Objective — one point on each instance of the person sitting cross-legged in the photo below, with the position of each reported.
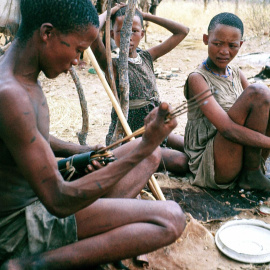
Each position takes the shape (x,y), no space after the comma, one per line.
(49,223)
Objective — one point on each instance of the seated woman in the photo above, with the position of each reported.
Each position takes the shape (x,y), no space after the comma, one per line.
(224,140)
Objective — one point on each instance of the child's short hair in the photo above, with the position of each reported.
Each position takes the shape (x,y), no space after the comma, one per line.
(122,11)
(226,18)
(65,15)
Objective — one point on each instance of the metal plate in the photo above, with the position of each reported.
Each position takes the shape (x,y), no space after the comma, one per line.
(264,209)
(245,240)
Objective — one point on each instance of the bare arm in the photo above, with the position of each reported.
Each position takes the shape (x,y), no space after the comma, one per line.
(222,121)
(67,149)
(102,17)
(36,161)
(244,80)
(178,30)
(97,46)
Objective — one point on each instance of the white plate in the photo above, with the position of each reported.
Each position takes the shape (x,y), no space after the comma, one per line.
(264,209)
(245,240)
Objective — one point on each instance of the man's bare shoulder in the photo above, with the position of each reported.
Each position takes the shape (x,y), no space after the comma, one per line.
(14,100)
(12,90)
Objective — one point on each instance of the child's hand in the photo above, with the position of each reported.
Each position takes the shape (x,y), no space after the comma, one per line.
(117,7)
(142,13)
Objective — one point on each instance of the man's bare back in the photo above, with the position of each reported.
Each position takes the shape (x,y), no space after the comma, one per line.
(11,178)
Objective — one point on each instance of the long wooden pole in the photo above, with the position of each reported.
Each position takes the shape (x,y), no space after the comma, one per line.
(153,182)
(82,135)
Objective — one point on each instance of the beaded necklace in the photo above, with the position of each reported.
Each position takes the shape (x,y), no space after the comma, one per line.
(210,70)
(137,60)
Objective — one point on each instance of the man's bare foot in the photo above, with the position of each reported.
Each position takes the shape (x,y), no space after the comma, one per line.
(254,180)
(156,128)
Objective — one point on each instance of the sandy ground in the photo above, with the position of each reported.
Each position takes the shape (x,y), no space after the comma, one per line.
(66,122)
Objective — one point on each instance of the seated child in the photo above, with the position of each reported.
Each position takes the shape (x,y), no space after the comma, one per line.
(144,96)
(224,140)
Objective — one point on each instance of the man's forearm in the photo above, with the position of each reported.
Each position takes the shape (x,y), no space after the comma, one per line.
(86,190)
(67,149)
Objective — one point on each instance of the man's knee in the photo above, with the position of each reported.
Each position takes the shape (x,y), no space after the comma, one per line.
(259,93)
(176,220)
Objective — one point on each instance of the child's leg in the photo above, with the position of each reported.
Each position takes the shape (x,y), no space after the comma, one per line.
(176,142)
(113,229)
(173,161)
(266,152)
(252,111)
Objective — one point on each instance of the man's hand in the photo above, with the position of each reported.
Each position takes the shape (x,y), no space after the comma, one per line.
(96,147)
(156,130)
(94,166)
(99,161)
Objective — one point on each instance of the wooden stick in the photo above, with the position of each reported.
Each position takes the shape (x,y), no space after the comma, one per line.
(120,115)
(108,90)
(136,133)
(122,71)
(108,50)
(174,113)
(82,135)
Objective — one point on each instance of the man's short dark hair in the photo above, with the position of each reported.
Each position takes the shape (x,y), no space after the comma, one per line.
(226,18)
(122,11)
(65,15)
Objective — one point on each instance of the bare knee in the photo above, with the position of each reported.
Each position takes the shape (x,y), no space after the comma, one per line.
(174,161)
(180,164)
(175,221)
(259,93)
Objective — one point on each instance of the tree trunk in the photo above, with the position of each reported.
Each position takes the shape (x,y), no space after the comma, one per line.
(82,135)
(236,6)
(108,51)
(123,66)
(205,5)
